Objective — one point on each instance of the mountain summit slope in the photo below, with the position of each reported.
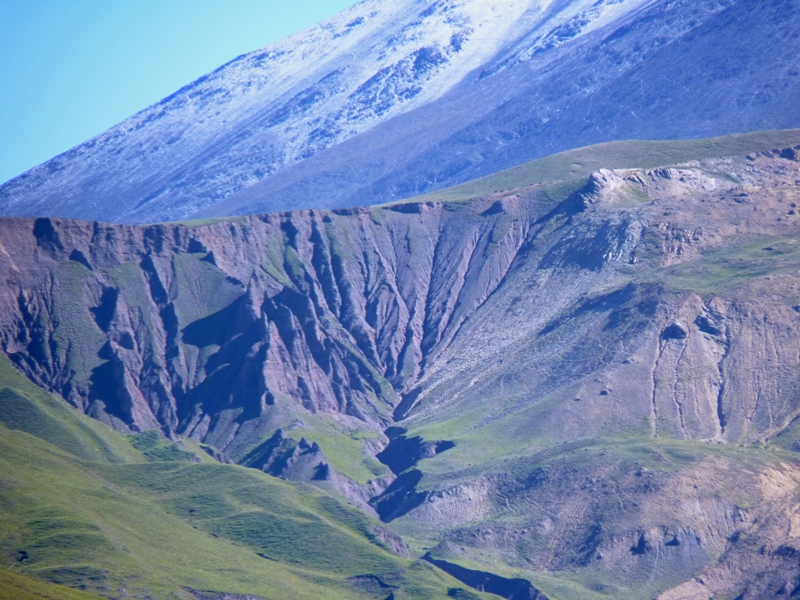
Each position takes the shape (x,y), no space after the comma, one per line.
(424,94)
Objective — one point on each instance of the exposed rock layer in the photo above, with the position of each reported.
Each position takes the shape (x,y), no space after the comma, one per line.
(215,331)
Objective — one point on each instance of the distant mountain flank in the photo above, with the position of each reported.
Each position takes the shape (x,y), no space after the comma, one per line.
(387,101)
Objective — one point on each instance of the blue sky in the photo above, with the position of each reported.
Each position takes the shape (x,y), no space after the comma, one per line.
(70,69)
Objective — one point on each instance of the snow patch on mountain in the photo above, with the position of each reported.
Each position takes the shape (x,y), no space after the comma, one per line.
(557,27)
(283,104)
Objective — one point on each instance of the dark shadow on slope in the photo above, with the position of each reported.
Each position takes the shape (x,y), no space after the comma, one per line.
(79,257)
(104,312)
(621,305)
(511,589)
(400,498)
(214,329)
(235,377)
(402,453)
(107,386)
(46,236)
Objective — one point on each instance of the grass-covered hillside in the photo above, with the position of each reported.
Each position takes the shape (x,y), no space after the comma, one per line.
(569,170)
(86,507)
(22,587)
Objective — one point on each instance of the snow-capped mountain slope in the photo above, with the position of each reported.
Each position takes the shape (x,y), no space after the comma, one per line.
(271,108)
(390,99)
(669,70)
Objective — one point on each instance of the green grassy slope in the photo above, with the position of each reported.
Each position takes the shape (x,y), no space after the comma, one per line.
(81,506)
(571,168)
(21,587)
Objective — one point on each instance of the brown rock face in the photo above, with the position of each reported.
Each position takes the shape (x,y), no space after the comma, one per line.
(219,331)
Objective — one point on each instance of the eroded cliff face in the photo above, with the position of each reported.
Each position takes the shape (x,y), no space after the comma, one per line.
(665,301)
(659,306)
(221,330)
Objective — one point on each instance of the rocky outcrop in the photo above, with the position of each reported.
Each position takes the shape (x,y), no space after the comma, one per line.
(219,332)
